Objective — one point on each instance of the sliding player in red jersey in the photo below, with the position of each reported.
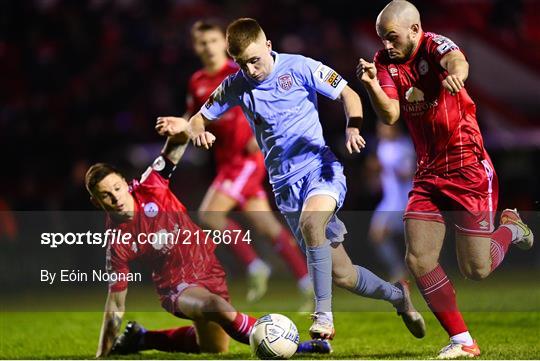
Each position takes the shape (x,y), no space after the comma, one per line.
(420,76)
(240,171)
(187,276)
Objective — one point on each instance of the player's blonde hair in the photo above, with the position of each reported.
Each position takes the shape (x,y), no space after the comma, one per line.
(241,33)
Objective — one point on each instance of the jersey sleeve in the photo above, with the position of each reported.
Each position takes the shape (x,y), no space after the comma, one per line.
(439,46)
(221,100)
(323,79)
(385,79)
(118,256)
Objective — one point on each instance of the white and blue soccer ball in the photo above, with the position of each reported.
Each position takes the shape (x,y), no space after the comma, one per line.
(274,336)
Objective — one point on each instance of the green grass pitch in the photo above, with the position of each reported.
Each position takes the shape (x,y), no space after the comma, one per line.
(503,314)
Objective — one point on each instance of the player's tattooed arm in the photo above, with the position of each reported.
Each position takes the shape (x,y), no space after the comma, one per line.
(352,105)
(387,109)
(112,321)
(458,70)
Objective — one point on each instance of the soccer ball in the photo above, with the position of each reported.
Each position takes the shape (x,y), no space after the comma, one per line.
(274,336)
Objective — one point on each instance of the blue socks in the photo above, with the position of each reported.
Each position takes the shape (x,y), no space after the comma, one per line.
(319,262)
(371,286)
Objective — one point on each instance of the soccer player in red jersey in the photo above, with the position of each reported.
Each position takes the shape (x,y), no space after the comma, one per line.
(240,171)
(420,76)
(188,277)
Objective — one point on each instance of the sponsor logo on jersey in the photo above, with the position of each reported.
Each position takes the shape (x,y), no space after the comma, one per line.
(423,67)
(414,95)
(334,79)
(285,81)
(416,101)
(151,209)
(445,44)
(322,73)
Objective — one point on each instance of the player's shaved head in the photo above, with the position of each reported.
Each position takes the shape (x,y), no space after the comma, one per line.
(398,26)
(399,12)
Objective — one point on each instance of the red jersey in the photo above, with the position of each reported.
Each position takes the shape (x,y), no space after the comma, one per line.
(443,126)
(158,210)
(232,130)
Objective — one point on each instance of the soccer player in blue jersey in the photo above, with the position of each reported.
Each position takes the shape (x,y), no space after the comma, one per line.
(278,95)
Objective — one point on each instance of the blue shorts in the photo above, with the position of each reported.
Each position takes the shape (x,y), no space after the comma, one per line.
(327,179)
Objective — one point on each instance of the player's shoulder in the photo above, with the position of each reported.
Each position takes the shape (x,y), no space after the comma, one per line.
(438,41)
(293,61)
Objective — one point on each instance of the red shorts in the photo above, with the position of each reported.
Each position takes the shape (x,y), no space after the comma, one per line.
(243,179)
(469,194)
(215,282)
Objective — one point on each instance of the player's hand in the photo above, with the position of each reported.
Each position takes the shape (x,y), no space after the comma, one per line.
(366,71)
(171,126)
(453,83)
(354,141)
(205,140)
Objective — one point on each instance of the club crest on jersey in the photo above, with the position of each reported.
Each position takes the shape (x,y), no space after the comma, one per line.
(423,67)
(151,209)
(285,81)
(392,70)
(414,95)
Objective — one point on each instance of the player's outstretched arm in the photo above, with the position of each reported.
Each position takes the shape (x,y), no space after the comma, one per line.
(387,109)
(112,320)
(352,105)
(199,136)
(458,70)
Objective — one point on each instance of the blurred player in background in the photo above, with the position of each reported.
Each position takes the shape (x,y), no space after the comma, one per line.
(395,155)
(240,171)
(421,76)
(188,277)
(278,95)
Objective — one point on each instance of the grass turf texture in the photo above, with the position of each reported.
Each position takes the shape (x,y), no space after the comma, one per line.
(503,314)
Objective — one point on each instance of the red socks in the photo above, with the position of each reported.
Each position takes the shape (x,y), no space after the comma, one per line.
(181,339)
(240,328)
(500,242)
(440,296)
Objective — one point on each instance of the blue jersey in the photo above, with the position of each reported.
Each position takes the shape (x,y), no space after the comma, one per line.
(282,112)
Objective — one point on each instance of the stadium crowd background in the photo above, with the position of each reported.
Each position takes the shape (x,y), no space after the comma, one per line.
(83,81)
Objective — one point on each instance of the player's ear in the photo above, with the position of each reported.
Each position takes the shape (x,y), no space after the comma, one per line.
(415,30)
(269,45)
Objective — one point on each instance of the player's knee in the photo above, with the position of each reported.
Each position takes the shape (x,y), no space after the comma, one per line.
(420,264)
(475,272)
(311,228)
(213,306)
